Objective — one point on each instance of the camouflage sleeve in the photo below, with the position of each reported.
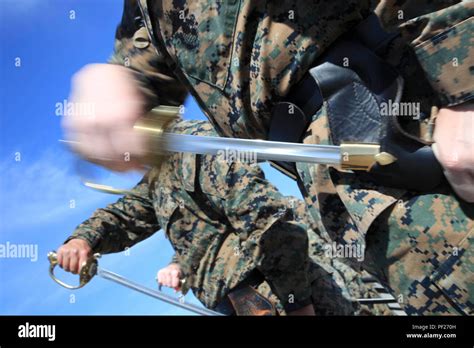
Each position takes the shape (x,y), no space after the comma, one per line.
(134,49)
(250,203)
(122,224)
(175,259)
(253,203)
(443,40)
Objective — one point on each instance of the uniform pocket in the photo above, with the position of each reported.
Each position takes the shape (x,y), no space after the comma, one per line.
(455,276)
(447,59)
(203,36)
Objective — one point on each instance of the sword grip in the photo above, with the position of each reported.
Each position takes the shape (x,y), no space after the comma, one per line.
(88,271)
(415,169)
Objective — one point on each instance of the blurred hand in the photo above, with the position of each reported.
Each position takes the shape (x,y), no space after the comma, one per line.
(73,255)
(454,148)
(170,276)
(106,104)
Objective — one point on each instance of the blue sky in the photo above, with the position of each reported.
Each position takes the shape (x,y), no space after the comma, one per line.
(38,177)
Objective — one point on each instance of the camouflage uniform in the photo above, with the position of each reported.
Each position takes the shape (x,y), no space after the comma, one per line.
(239,57)
(419,244)
(335,286)
(224,221)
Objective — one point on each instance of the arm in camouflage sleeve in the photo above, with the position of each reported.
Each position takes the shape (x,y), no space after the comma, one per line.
(134,50)
(251,204)
(122,224)
(174,259)
(443,40)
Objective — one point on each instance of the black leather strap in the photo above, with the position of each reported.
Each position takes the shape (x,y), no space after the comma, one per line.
(306,98)
(354,82)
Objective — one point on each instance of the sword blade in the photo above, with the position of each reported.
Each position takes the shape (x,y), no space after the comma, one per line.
(154,293)
(261,150)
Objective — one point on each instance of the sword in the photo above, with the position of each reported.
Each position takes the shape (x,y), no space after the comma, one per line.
(91,268)
(352,156)
(160,143)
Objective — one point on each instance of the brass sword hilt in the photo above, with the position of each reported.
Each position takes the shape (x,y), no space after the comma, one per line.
(87,272)
(153,123)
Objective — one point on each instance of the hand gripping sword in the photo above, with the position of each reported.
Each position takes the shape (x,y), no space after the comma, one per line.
(91,268)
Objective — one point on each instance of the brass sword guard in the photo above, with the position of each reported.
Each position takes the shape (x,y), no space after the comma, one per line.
(153,124)
(88,270)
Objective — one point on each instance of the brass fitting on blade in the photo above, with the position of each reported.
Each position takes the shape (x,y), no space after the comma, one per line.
(356,156)
(153,125)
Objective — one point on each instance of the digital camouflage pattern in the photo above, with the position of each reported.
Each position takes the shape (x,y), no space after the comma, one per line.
(331,295)
(224,220)
(239,57)
(442,36)
(418,245)
(423,247)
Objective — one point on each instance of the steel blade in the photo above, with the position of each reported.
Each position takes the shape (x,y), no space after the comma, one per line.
(155,294)
(262,150)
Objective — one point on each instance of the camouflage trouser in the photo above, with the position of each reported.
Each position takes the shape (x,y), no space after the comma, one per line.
(329,298)
(422,248)
(417,244)
(335,286)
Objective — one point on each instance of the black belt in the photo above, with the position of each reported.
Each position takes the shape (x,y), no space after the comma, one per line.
(355,82)
(306,98)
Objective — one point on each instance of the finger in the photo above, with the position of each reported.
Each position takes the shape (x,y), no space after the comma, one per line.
(159,277)
(83,257)
(94,144)
(66,260)
(167,280)
(126,141)
(59,256)
(174,279)
(450,160)
(458,178)
(97,148)
(462,181)
(462,184)
(74,261)
(174,282)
